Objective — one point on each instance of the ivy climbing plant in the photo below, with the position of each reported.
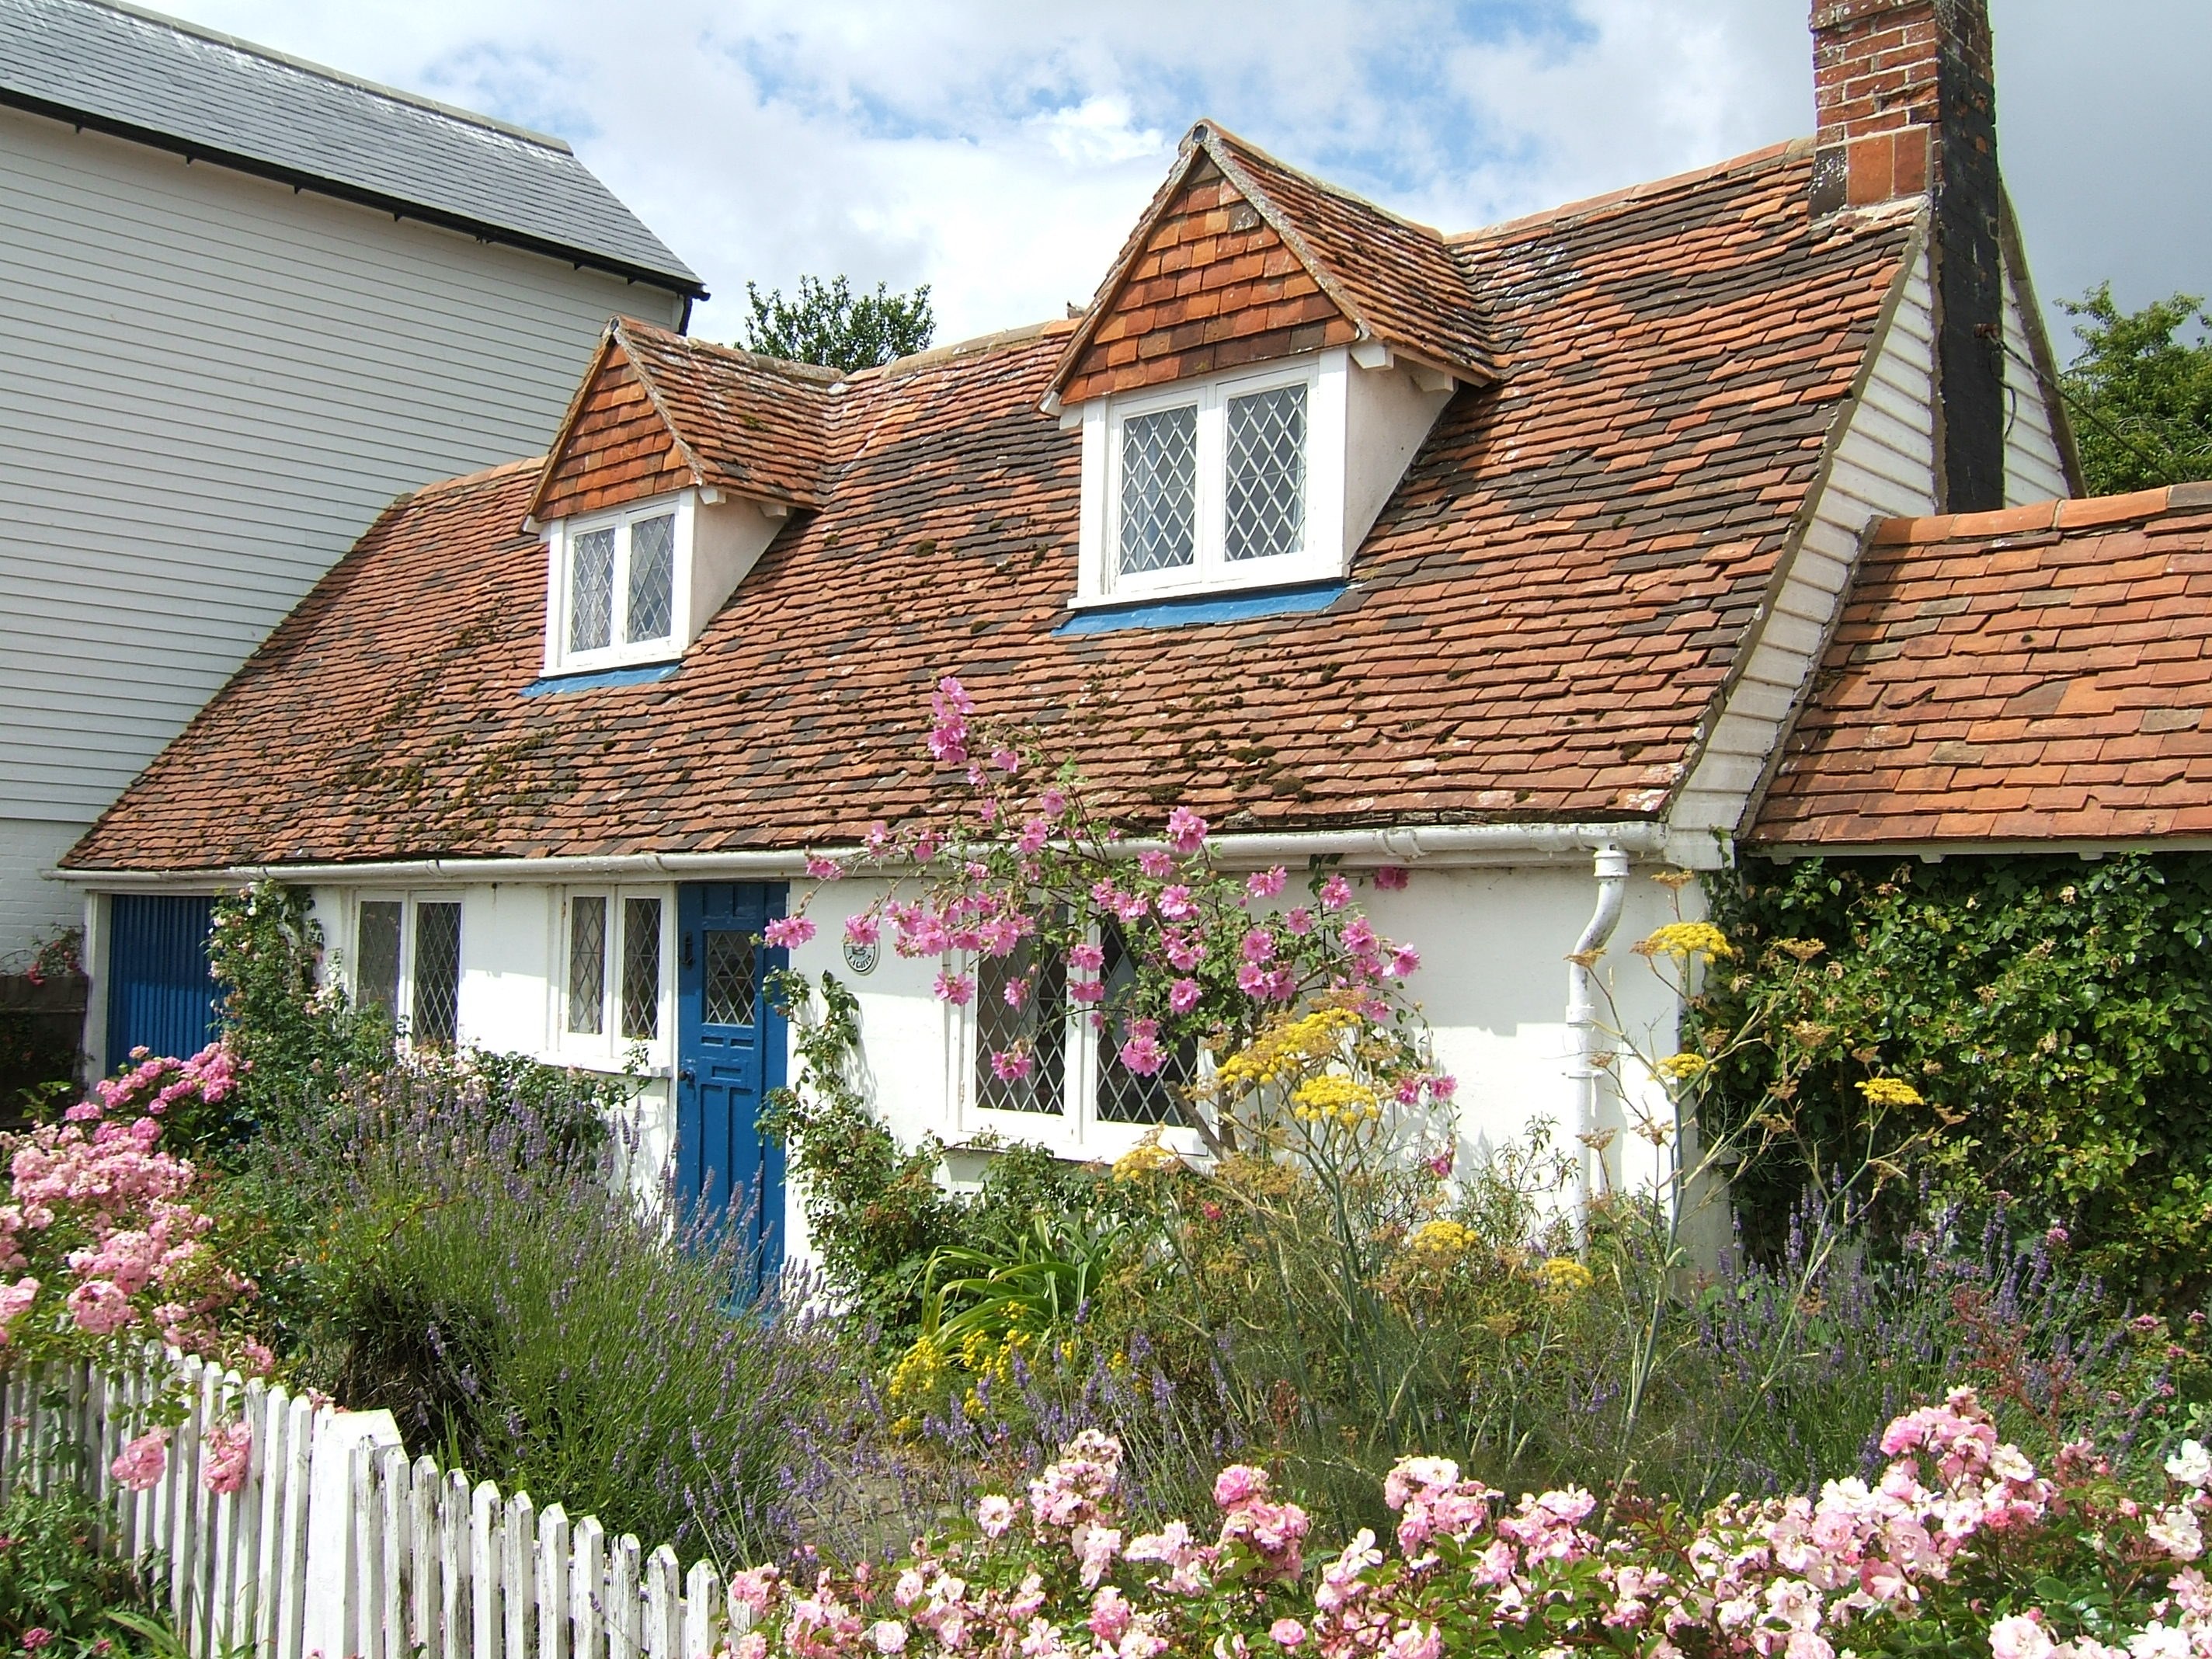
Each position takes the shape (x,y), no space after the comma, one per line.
(2055,1014)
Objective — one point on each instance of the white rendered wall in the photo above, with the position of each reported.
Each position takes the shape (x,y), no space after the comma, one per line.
(1493,986)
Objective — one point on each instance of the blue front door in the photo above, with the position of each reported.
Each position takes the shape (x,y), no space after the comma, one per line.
(729,1053)
(160,994)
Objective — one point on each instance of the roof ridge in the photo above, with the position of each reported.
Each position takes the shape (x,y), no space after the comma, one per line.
(472,480)
(1750,161)
(2059,512)
(760,360)
(1328,187)
(336,77)
(974,346)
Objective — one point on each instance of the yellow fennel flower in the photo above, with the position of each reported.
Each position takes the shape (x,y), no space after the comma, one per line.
(1890,1091)
(1685,1067)
(1562,1275)
(1685,939)
(1440,1243)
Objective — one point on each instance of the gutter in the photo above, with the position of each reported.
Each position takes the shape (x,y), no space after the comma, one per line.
(1446,845)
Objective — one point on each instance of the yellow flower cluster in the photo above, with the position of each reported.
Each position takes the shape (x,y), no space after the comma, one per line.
(1685,939)
(1890,1091)
(1685,1067)
(1562,1275)
(920,1373)
(1281,1052)
(1146,1157)
(1331,1098)
(1440,1243)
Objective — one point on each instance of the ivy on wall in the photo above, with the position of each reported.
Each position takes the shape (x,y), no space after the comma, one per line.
(2055,1014)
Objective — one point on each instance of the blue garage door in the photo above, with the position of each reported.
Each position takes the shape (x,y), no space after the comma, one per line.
(158,995)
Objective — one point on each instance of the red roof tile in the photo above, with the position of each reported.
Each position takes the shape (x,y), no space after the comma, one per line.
(2039,674)
(1241,258)
(1535,627)
(660,410)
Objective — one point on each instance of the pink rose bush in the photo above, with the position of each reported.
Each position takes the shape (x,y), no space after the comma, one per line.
(1960,1547)
(109,1251)
(1028,872)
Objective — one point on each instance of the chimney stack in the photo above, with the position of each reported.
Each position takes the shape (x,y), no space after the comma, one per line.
(1906,102)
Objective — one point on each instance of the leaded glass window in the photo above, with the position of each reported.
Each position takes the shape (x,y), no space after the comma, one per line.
(376,955)
(641,969)
(1124,1096)
(592,591)
(437,973)
(1033,1022)
(1265,509)
(729,992)
(1159,490)
(587,966)
(652,579)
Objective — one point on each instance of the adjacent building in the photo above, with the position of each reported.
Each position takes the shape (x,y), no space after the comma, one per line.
(248,300)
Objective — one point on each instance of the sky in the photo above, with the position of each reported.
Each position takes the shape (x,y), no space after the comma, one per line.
(999,151)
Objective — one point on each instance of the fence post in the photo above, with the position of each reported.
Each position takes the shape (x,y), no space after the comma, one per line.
(331,1608)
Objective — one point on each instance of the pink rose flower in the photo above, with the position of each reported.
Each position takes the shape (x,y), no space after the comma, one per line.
(229,1454)
(1286,1633)
(140,1464)
(100,1306)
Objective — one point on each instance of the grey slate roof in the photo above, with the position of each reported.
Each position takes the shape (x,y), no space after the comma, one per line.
(136,74)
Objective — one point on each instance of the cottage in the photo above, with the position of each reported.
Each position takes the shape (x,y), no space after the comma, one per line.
(1534,561)
(248,300)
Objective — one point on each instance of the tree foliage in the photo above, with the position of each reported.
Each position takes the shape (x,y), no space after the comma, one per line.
(2140,394)
(2054,1014)
(830,324)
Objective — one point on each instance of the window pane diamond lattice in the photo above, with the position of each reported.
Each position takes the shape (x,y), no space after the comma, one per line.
(376,955)
(652,579)
(592,591)
(1159,491)
(729,979)
(1124,1096)
(1266,504)
(641,978)
(587,965)
(437,973)
(1040,1025)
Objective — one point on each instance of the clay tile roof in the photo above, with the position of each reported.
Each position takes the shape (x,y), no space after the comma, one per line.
(659,410)
(1536,629)
(2040,674)
(1390,280)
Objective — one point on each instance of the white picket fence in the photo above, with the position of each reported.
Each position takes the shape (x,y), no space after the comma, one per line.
(337,1545)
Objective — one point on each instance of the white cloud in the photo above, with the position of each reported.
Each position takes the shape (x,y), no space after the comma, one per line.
(999,149)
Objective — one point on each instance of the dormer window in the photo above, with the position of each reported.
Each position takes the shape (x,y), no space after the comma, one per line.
(616,581)
(1267,477)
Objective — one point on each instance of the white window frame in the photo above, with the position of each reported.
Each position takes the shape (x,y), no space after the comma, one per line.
(608,1049)
(560,592)
(410,903)
(1075,1132)
(1102,582)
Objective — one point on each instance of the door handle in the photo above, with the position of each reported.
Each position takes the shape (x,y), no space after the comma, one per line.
(687,1074)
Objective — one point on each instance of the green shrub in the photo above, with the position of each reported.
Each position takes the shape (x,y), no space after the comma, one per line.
(53,1579)
(485,1273)
(2056,1014)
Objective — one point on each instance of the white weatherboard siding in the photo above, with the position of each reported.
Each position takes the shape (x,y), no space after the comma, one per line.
(1883,464)
(1493,984)
(2035,469)
(208,386)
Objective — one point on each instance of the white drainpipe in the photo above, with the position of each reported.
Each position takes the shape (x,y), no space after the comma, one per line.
(1611,870)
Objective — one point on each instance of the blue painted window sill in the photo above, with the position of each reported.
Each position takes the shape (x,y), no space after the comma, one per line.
(1204,608)
(606,677)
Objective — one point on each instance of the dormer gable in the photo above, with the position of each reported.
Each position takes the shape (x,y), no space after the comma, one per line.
(1257,371)
(677,464)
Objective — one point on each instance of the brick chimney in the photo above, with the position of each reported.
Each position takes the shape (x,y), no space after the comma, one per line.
(1906,103)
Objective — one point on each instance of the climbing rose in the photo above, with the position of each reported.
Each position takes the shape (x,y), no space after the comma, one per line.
(140,1464)
(100,1306)
(229,1452)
